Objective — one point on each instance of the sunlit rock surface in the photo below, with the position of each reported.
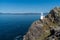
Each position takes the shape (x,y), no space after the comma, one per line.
(46,29)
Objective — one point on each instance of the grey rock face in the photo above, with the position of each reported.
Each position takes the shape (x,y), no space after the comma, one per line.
(46,29)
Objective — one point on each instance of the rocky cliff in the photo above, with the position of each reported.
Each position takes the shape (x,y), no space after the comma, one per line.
(47,28)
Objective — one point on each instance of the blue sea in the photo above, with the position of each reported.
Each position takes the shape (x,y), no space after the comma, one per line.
(12,26)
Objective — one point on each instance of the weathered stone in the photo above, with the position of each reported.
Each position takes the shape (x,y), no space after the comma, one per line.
(46,29)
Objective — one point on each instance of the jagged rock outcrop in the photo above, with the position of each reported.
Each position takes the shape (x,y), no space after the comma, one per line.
(47,28)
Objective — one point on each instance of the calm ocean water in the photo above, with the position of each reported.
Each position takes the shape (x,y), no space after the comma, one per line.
(12,26)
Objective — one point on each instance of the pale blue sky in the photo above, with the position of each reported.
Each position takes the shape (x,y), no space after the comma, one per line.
(27,6)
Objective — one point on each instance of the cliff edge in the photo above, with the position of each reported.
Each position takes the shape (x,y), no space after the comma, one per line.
(46,29)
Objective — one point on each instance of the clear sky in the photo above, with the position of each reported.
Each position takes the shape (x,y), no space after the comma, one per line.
(27,6)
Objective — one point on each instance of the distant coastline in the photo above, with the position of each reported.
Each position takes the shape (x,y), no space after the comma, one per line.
(22,13)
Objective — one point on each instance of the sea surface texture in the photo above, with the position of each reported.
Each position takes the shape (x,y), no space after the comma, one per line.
(15,26)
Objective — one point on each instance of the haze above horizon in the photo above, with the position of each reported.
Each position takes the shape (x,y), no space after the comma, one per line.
(27,6)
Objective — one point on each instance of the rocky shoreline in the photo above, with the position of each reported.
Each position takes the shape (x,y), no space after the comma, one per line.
(47,28)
